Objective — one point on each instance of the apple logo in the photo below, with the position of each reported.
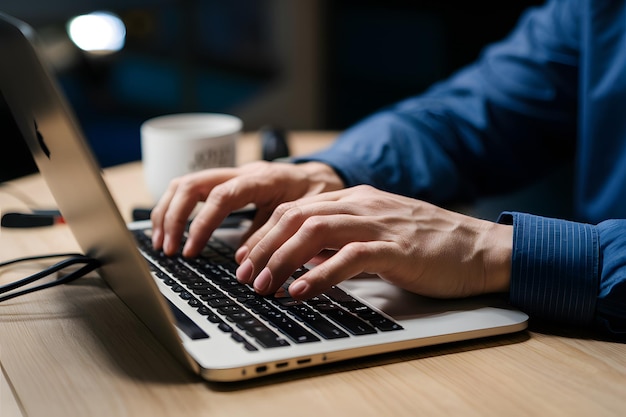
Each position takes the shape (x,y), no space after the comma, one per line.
(40,140)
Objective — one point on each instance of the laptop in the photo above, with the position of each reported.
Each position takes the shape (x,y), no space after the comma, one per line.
(219,329)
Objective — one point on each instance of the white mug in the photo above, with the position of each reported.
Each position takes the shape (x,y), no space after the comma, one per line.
(177,144)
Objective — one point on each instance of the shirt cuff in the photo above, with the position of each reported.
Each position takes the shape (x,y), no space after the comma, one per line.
(554,270)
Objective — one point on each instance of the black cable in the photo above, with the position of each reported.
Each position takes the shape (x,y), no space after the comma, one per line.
(39,257)
(89,264)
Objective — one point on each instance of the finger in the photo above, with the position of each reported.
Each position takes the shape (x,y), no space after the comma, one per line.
(323,256)
(181,198)
(223,199)
(316,234)
(261,183)
(344,200)
(255,252)
(258,221)
(168,215)
(157,216)
(175,219)
(351,260)
(289,216)
(263,223)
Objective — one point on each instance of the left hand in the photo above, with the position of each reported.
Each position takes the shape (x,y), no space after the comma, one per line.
(412,244)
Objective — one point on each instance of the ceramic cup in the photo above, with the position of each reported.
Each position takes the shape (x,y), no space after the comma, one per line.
(177,144)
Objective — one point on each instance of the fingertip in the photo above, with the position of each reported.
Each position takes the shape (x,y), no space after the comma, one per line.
(190,250)
(263,281)
(245,271)
(241,254)
(299,288)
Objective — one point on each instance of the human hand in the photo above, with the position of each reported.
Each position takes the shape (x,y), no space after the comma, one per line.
(412,244)
(223,190)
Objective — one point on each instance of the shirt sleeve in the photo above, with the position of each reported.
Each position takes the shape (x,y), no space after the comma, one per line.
(569,272)
(475,133)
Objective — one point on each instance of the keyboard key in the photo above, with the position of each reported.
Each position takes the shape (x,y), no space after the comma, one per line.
(208,284)
(220,302)
(386,325)
(339,295)
(279,320)
(225,327)
(348,321)
(261,333)
(313,319)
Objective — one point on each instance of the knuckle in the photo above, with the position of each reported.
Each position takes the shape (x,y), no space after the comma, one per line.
(186,186)
(364,188)
(255,166)
(283,208)
(288,212)
(355,251)
(222,193)
(175,182)
(315,226)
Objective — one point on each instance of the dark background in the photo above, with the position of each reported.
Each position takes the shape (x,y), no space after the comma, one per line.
(343,58)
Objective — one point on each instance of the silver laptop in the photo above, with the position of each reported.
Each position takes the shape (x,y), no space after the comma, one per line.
(216,327)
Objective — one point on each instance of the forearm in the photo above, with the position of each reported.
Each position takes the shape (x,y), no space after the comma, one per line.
(392,153)
(477,132)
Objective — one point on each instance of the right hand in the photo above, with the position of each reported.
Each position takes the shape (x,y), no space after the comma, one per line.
(223,190)
(409,243)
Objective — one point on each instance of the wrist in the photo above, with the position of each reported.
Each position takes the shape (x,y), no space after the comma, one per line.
(497,260)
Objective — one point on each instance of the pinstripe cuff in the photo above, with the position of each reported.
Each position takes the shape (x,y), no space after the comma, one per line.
(554,271)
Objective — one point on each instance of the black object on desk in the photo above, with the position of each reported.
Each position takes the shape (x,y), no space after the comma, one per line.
(273,143)
(38,218)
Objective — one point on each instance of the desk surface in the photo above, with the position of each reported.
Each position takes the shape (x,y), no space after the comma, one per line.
(76,350)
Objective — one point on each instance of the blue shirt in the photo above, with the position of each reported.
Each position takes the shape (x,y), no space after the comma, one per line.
(553,91)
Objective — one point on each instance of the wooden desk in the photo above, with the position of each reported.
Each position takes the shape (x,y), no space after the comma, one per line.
(76,350)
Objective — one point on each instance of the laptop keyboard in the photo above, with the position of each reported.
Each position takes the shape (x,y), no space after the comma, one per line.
(208,284)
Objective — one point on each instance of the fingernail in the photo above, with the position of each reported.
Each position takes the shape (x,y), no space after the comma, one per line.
(241,253)
(244,272)
(263,280)
(298,287)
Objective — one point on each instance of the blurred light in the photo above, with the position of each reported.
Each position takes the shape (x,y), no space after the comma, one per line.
(97,32)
